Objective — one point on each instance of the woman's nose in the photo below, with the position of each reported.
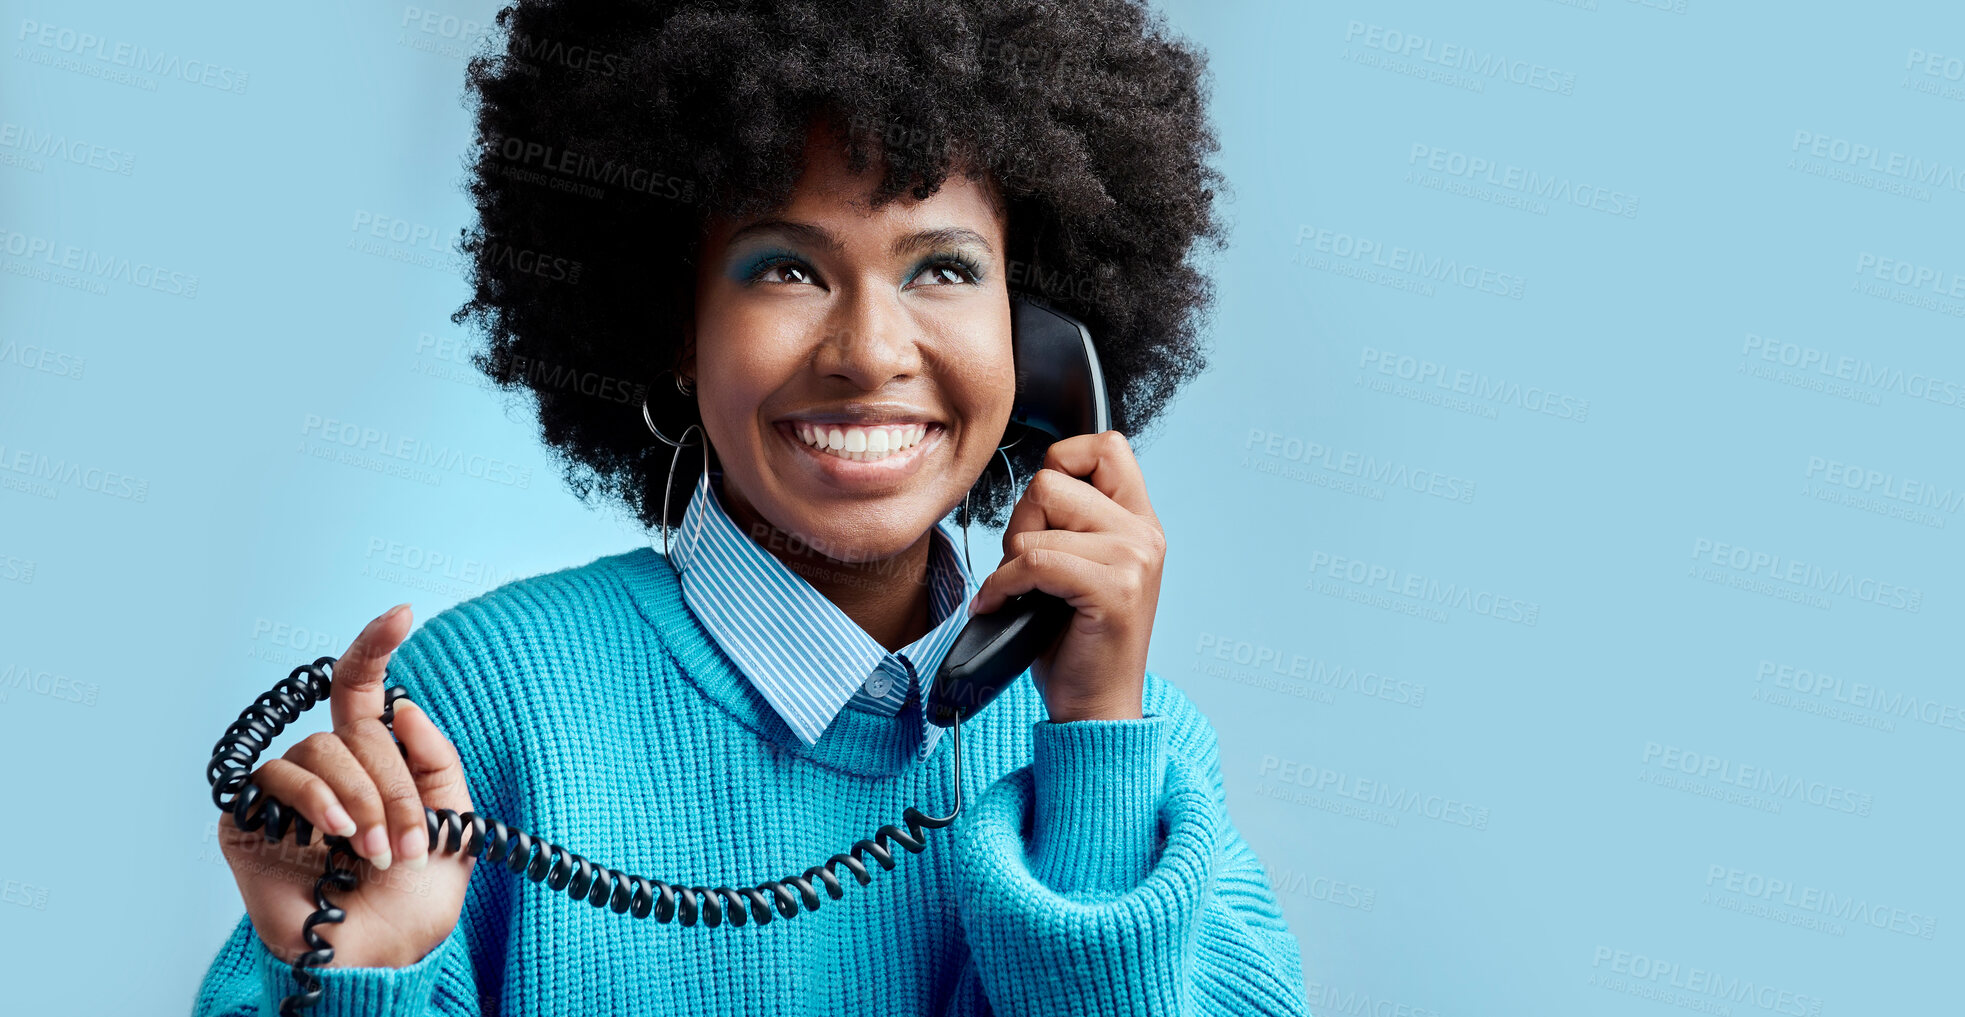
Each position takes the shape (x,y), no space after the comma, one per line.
(870,339)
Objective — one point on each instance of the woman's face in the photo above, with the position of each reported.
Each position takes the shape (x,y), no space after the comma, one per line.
(853,366)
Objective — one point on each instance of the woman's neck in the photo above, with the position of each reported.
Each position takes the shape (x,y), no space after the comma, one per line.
(887,598)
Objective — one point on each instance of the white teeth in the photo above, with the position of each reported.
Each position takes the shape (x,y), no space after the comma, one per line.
(860,444)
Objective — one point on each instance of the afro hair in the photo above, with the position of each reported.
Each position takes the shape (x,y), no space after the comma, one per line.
(608,132)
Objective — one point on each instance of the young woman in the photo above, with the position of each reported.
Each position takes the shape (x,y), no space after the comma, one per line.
(795,228)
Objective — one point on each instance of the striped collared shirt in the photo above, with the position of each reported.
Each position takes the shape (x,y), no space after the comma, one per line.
(798,648)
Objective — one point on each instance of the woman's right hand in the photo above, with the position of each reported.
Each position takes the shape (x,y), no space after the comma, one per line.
(355,782)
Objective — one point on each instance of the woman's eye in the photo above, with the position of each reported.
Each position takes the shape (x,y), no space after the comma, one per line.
(944,273)
(776,271)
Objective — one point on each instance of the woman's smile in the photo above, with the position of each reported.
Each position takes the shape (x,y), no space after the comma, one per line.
(859,458)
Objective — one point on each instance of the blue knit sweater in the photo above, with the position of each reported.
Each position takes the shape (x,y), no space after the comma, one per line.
(1094,869)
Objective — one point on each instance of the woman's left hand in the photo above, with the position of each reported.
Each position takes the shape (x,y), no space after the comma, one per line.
(1096,544)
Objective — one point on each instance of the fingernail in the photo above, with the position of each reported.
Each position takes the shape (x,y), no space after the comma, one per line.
(415,850)
(338,822)
(398,609)
(973,601)
(376,847)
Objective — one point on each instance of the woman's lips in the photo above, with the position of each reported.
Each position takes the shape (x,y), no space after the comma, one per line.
(861,476)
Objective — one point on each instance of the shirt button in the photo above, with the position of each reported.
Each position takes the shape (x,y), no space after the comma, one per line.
(879,685)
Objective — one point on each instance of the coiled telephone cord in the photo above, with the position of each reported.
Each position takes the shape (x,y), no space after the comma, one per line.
(537,859)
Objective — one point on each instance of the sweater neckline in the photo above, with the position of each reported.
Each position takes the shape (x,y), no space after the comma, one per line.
(857,742)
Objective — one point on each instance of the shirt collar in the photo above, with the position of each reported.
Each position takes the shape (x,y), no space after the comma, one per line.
(799,649)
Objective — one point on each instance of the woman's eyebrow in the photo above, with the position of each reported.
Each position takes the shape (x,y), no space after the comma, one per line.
(817,236)
(945,236)
(802,232)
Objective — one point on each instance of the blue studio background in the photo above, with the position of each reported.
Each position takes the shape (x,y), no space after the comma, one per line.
(1565,543)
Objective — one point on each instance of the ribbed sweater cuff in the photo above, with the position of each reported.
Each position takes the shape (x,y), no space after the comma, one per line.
(398,992)
(1038,951)
(1097,783)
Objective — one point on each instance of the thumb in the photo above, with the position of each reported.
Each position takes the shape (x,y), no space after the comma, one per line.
(359,675)
(433,761)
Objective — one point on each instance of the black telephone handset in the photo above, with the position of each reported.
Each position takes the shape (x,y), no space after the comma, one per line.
(1060,393)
